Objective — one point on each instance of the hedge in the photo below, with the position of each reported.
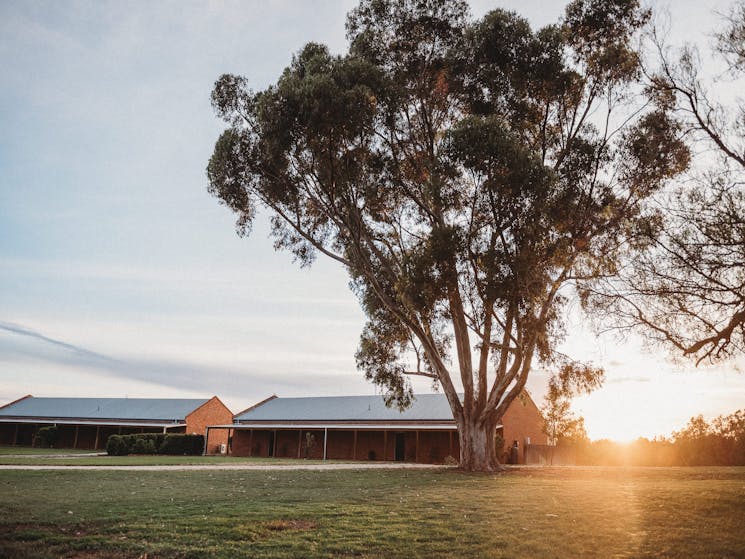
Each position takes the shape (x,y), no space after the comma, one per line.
(155,443)
(47,437)
(182,444)
(116,446)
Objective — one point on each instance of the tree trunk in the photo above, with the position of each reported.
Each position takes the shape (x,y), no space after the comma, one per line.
(477,451)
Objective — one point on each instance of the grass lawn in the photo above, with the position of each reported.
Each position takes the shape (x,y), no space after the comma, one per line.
(559,512)
(5,450)
(157,460)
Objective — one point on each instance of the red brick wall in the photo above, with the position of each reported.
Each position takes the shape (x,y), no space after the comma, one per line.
(339,445)
(370,445)
(521,421)
(434,446)
(250,442)
(239,443)
(288,443)
(213,412)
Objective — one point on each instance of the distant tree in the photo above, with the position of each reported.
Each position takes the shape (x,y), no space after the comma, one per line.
(718,443)
(688,289)
(560,424)
(731,429)
(467,175)
(694,443)
(656,452)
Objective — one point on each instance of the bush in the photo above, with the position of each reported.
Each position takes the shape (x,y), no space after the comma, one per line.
(47,437)
(182,444)
(117,446)
(155,443)
(139,443)
(156,439)
(143,445)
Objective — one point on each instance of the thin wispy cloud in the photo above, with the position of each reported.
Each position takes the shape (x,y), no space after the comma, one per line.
(178,374)
(75,349)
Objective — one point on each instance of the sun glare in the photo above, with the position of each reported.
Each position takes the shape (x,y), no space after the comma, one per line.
(625,411)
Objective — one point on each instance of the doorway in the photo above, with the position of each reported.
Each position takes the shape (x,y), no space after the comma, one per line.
(400,450)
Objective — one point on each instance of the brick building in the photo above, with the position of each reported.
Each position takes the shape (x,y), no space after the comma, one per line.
(363,428)
(88,422)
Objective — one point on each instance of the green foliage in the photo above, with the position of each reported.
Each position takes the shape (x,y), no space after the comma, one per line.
(117,446)
(47,436)
(155,443)
(178,444)
(559,422)
(142,445)
(451,165)
(720,442)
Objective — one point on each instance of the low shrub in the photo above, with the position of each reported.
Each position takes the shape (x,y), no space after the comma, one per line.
(117,446)
(155,443)
(143,445)
(139,443)
(192,445)
(155,438)
(47,437)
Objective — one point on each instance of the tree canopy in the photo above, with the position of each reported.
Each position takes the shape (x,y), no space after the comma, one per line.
(467,173)
(687,290)
(560,424)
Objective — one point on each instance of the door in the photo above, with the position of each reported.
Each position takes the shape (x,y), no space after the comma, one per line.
(400,453)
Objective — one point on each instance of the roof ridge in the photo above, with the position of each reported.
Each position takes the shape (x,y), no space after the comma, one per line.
(264,401)
(16,401)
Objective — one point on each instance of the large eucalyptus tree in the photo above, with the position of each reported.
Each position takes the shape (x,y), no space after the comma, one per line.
(468,174)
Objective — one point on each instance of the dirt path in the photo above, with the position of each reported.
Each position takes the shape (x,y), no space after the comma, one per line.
(186,467)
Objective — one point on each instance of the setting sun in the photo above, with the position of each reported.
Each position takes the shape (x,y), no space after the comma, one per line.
(655,405)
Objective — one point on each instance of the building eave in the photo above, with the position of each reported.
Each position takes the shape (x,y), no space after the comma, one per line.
(102,423)
(311,425)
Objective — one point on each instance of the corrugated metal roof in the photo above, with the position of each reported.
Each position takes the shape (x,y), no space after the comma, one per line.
(169,409)
(426,407)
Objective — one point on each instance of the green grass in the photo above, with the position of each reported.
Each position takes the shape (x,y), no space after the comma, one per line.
(4,450)
(588,512)
(158,460)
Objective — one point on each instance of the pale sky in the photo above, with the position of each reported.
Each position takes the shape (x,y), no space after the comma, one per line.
(120,275)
